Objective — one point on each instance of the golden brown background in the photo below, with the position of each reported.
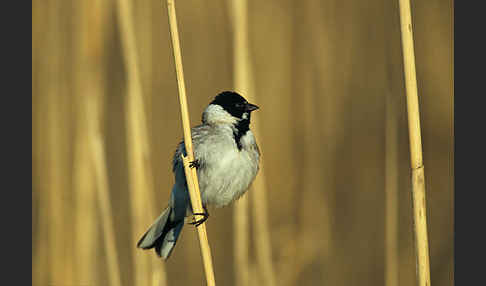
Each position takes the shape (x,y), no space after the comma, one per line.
(329,80)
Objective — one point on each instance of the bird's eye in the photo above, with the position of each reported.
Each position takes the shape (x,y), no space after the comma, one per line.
(239,105)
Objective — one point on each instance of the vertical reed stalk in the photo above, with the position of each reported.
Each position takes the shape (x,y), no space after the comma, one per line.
(241,242)
(88,38)
(244,83)
(391,193)
(191,173)
(238,12)
(262,233)
(102,188)
(55,186)
(201,231)
(83,187)
(141,180)
(40,250)
(418,179)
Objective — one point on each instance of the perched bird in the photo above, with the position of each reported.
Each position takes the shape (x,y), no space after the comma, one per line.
(226,157)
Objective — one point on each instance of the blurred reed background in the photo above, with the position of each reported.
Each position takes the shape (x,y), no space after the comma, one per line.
(328,77)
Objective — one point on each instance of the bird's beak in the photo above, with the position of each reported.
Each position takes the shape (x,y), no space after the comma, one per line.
(251,107)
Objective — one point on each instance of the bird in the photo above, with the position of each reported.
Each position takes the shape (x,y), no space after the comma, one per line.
(226,158)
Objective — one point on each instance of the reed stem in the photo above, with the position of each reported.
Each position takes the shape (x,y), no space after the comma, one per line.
(102,189)
(191,173)
(391,192)
(244,83)
(418,178)
(241,74)
(141,179)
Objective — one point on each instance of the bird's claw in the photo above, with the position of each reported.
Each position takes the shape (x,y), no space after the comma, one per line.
(194,164)
(200,221)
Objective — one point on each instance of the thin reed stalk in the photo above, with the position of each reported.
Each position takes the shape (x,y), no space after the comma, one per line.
(84,191)
(241,242)
(102,189)
(141,179)
(244,83)
(418,178)
(83,188)
(191,173)
(391,193)
(262,233)
(201,231)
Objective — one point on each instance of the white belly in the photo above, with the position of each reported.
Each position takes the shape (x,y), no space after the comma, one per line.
(228,177)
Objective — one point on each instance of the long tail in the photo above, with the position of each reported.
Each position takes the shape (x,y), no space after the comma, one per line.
(162,235)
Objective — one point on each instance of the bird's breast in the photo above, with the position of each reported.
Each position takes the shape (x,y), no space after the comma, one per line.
(228,172)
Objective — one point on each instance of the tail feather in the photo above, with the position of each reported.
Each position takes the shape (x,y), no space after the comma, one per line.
(164,247)
(162,235)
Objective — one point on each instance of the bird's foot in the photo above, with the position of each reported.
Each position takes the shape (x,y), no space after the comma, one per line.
(198,222)
(194,164)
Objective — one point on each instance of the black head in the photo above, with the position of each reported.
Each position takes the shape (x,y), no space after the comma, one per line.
(234,104)
(238,107)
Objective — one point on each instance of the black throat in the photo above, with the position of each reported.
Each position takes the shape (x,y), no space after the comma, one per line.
(241,128)
(238,107)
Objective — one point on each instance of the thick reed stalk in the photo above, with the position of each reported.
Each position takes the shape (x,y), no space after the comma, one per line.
(138,202)
(191,173)
(56,171)
(141,180)
(89,20)
(238,12)
(102,189)
(40,250)
(244,83)
(418,179)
